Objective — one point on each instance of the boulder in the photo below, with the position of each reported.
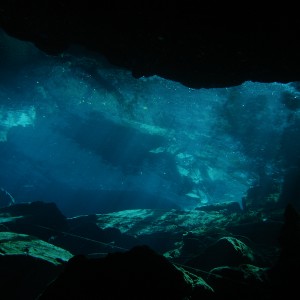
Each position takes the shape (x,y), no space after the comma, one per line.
(28,265)
(139,273)
(243,282)
(227,251)
(36,218)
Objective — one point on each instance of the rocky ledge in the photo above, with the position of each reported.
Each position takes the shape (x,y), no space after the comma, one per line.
(153,254)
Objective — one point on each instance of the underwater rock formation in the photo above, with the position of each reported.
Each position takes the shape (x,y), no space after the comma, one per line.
(177,254)
(137,274)
(34,218)
(28,264)
(285,273)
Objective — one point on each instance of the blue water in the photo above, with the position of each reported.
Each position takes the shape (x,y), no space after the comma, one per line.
(87,135)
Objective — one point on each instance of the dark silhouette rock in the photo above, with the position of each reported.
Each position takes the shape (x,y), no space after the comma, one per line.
(139,273)
(285,274)
(243,282)
(37,218)
(227,251)
(27,265)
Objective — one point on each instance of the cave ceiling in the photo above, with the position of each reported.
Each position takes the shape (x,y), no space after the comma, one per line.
(197,49)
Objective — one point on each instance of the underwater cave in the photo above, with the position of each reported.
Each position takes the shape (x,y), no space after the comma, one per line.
(108,166)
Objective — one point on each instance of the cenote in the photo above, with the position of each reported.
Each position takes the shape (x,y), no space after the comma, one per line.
(96,161)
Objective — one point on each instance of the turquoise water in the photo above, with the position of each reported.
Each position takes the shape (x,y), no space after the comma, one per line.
(87,135)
